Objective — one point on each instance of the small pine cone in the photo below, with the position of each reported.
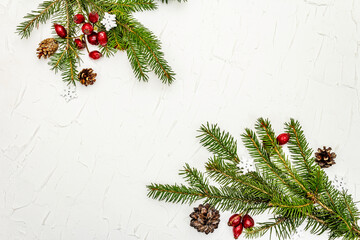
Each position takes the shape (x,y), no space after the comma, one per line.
(324,157)
(87,76)
(205,218)
(47,48)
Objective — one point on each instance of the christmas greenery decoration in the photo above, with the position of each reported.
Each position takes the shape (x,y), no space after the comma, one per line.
(291,187)
(142,47)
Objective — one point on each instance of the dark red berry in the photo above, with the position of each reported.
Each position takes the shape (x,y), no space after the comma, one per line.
(95,55)
(234,220)
(247,221)
(102,38)
(93,17)
(60,30)
(92,39)
(80,43)
(283,138)
(87,28)
(79,18)
(237,231)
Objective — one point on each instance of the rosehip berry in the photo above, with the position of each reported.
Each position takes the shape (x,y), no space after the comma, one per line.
(60,30)
(95,55)
(102,38)
(92,39)
(79,18)
(234,220)
(247,221)
(80,43)
(283,138)
(87,28)
(237,231)
(93,17)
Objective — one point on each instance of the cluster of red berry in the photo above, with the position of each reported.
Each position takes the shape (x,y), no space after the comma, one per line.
(239,223)
(87,28)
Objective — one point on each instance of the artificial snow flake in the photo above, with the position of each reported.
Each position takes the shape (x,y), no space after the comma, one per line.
(246,165)
(109,21)
(298,235)
(339,183)
(69,93)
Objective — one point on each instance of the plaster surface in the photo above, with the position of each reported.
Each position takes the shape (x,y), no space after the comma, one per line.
(78,170)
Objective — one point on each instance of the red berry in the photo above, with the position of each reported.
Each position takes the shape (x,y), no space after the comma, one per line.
(237,231)
(80,43)
(283,138)
(247,221)
(60,30)
(79,18)
(234,220)
(102,38)
(95,55)
(87,28)
(92,38)
(93,17)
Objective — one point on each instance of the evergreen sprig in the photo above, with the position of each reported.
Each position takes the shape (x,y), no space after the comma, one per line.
(142,46)
(293,188)
(167,1)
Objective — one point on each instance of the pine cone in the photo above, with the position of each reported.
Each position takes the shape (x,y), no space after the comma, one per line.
(205,218)
(87,76)
(47,48)
(324,157)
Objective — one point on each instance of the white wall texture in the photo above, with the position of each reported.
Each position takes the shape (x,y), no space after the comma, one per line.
(78,170)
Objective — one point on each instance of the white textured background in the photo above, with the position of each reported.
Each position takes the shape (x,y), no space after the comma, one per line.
(78,170)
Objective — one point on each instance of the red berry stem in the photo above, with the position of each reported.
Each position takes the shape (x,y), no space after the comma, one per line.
(86,46)
(73,37)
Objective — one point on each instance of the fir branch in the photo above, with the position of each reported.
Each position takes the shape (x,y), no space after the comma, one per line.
(122,7)
(296,193)
(137,60)
(79,5)
(143,47)
(282,226)
(264,129)
(67,58)
(195,178)
(218,171)
(291,208)
(223,199)
(167,1)
(146,41)
(229,198)
(299,148)
(262,158)
(174,193)
(351,207)
(129,6)
(35,18)
(220,143)
(316,224)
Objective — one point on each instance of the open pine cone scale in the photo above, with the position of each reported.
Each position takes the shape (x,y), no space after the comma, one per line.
(205,218)
(324,157)
(47,48)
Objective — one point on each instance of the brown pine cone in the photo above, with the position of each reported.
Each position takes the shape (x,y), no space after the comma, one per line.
(205,218)
(324,157)
(47,48)
(87,76)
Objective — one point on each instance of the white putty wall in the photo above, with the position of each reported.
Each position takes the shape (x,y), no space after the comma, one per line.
(78,170)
